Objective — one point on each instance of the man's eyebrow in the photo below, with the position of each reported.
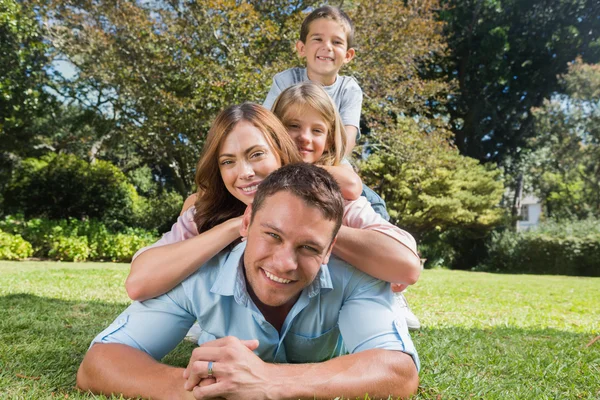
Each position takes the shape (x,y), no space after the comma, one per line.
(248,150)
(309,242)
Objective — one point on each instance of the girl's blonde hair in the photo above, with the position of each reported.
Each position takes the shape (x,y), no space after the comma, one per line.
(215,204)
(310,94)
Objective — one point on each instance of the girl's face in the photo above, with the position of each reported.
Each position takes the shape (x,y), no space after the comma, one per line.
(245,159)
(309,130)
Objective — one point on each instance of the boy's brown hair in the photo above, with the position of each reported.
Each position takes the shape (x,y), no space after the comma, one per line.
(332,13)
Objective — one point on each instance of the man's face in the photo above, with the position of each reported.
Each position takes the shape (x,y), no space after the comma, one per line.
(287,243)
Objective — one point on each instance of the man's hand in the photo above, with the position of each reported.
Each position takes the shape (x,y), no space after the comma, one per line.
(238,372)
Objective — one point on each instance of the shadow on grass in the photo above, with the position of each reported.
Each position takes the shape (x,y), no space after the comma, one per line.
(43,341)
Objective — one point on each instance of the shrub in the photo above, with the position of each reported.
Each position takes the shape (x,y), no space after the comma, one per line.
(74,240)
(158,213)
(563,248)
(14,247)
(69,248)
(64,186)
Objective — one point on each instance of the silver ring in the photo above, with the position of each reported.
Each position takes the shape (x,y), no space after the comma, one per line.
(210,370)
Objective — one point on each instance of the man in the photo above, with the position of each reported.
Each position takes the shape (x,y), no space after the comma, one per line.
(277,288)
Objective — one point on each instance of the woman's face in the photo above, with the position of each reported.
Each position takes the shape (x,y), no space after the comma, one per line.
(245,159)
(309,130)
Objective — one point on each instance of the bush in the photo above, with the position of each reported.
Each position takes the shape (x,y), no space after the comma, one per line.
(158,212)
(562,248)
(74,240)
(14,247)
(69,248)
(64,186)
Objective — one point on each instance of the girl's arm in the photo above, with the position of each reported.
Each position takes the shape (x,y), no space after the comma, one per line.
(348,180)
(160,267)
(375,246)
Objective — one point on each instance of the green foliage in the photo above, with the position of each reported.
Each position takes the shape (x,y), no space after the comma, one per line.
(69,248)
(564,168)
(155,208)
(560,247)
(506,56)
(62,186)
(396,41)
(75,240)
(14,247)
(162,70)
(428,186)
(22,77)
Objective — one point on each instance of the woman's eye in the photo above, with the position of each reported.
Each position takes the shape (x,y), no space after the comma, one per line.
(226,162)
(257,154)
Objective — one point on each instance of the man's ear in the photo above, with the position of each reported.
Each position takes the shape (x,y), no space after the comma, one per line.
(246,221)
(326,258)
(350,53)
(300,47)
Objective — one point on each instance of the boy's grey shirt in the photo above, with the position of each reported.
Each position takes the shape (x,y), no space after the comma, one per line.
(345,92)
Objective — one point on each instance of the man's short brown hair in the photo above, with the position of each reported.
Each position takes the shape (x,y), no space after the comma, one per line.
(332,13)
(313,185)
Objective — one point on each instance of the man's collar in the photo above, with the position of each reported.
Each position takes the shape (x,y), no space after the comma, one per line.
(232,282)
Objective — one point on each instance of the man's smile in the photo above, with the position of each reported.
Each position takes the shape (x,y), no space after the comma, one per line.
(275,278)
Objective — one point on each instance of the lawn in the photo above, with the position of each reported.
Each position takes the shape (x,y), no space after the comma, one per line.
(485,336)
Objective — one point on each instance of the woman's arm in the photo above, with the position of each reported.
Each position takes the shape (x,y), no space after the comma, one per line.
(375,246)
(348,180)
(189,202)
(180,252)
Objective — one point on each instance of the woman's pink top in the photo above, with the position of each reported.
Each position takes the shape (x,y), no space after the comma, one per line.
(357,214)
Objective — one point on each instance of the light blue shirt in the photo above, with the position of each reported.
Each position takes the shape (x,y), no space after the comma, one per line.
(341,303)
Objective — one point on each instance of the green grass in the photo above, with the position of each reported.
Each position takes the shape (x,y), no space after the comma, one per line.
(485,336)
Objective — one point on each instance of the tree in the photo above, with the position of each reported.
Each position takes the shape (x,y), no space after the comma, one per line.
(564,168)
(22,79)
(429,187)
(162,70)
(506,55)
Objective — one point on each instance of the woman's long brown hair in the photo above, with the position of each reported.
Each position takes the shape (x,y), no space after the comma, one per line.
(215,204)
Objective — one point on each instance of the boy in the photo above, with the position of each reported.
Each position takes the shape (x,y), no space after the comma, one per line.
(326,40)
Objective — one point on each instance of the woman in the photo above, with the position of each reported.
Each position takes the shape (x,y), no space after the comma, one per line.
(244,145)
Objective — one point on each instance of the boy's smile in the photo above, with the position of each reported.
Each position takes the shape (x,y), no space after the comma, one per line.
(326,50)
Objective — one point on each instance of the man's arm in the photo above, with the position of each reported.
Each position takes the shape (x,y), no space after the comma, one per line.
(123,356)
(121,369)
(380,364)
(240,374)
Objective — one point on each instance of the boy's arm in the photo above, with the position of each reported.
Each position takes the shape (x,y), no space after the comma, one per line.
(351,136)
(272,95)
(350,110)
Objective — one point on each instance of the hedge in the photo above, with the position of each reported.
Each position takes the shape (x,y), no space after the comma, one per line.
(74,240)
(559,248)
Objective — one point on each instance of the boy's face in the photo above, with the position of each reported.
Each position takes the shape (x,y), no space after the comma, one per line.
(326,49)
